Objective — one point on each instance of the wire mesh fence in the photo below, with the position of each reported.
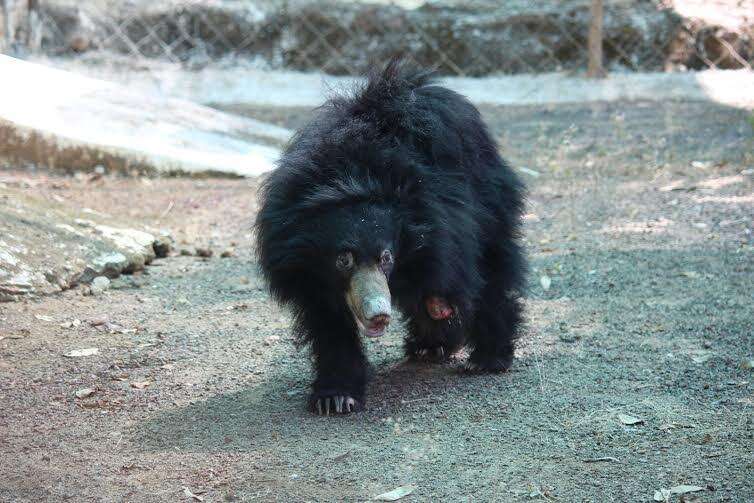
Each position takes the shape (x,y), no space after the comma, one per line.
(477,37)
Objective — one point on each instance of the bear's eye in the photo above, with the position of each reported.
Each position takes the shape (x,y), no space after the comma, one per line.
(386,260)
(344,262)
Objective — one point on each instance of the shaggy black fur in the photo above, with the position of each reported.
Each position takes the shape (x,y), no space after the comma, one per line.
(407,165)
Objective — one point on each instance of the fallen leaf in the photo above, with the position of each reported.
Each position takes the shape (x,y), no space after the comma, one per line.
(545,281)
(140,384)
(82,352)
(747,364)
(100,320)
(690,274)
(85,392)
(529,172)
(42,317)
(665,494)
(340,456)
(701,358)
(629,420)
(395,494)
(187,492)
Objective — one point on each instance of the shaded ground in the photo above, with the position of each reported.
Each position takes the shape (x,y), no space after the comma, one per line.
(641,217)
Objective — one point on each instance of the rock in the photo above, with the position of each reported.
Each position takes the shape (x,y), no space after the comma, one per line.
(47,246)
(163,245)
(99,285)
(108,264)
(204,252)
(85,392)
(228,252)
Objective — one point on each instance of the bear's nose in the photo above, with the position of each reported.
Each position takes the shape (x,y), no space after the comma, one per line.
(376,306)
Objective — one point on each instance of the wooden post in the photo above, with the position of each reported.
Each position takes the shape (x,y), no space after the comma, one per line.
(5,39)
(596,70)
(14,18)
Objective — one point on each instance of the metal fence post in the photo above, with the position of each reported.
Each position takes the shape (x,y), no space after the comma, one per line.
(596,69)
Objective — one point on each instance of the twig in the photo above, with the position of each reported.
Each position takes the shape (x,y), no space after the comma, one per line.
(600,460)
(167,210)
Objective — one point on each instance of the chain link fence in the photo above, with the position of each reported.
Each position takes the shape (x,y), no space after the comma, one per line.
(476,37)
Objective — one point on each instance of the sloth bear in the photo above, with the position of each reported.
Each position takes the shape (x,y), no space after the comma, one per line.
(394,195)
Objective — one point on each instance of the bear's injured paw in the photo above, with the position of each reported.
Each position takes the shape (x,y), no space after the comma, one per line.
(438,308)
(338,404)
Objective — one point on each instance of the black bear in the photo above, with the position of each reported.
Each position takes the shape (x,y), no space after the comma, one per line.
(394,196)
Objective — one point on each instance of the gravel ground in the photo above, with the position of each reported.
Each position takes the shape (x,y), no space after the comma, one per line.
(640,216)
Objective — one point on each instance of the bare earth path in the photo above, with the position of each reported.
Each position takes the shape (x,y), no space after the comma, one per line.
(641,219)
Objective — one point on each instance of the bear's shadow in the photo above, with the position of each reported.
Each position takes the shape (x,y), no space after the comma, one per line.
(275,408)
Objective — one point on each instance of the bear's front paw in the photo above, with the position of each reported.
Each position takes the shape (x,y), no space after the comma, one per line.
(480,363)
(324,404)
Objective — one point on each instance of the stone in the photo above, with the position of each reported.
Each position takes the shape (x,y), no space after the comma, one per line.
(99,285)
(163,245)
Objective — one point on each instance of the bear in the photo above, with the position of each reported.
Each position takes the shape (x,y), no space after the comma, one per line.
(394,196)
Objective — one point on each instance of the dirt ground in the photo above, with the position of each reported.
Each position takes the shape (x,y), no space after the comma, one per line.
(640,217)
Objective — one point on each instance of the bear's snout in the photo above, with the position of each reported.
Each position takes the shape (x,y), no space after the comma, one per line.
(369,300)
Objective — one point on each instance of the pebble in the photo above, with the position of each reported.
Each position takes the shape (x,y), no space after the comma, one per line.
(99,285)
(85,392)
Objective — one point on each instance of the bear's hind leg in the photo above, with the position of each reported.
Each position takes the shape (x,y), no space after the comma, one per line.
(496,328)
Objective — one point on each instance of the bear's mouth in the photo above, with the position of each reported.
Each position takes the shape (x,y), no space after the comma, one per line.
(376,326)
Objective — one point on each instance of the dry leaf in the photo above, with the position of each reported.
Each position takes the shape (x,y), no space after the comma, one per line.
(529,172)
(545,281)
(140,384)
(665,494)
(395,494)
(85,392)
(70,324)
(629,420)
(187,492)
(82,352)
(701,358)
(96,322)
(42,317)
